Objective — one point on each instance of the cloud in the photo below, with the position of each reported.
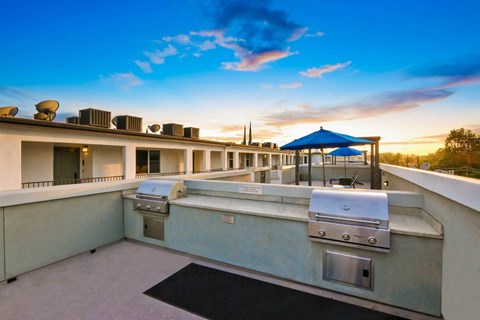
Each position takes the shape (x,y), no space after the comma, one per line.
(144,65)
(456,73)
(253,62)
(263,33)
(315,35)
(181,38)
(389,102)
(158,56)
(125,81)
(207,45)
(318,72)
(256,34)
(10,96)
(291,85)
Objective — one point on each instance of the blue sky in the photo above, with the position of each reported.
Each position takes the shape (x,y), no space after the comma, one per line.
(408,71)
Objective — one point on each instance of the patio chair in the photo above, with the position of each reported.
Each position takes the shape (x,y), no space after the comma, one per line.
(349,182)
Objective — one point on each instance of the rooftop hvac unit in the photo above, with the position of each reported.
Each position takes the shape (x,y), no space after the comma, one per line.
(267,144)
(173,129)
(74,120)
(255,144)
(191,132)
(94,117)
(129,123)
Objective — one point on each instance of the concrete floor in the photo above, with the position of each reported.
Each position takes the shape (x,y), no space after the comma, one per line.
(109,283)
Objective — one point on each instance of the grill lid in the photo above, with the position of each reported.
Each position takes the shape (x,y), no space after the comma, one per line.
(350,204)
(166,189)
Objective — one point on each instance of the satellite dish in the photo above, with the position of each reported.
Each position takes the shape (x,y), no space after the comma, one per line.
(8,111)
(425,166)
(154,128)
(40,116)
(46,110)
(114,121)
(47,106)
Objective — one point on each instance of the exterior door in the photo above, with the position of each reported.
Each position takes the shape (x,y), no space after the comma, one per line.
(66,165)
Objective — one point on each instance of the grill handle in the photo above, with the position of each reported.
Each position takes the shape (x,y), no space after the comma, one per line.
(376,222)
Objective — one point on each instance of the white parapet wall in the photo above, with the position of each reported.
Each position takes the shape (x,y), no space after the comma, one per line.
(454,202)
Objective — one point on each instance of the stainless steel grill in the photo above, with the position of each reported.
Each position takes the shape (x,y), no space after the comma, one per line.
(153,195)
(350,218)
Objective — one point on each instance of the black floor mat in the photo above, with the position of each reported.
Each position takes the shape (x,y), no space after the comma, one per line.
(217,294)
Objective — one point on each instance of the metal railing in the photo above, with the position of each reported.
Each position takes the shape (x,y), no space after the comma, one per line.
(38,184)
(163,174)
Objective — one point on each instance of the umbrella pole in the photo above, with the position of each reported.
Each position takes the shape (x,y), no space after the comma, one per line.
(297,167)
(323,165)
(345,165)
(309,167)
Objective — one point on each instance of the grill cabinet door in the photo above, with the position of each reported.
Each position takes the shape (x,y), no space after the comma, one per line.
(349,269)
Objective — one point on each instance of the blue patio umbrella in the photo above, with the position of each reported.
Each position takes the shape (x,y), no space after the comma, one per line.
(345,152)
(324,139)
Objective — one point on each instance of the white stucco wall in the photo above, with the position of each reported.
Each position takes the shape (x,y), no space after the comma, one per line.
(37,161)
(171,160)
(215,160)
(107,160)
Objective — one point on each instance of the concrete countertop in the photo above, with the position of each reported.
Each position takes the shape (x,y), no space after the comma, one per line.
(401,221)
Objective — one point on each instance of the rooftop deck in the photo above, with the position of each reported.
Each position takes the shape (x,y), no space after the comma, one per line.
(109,283)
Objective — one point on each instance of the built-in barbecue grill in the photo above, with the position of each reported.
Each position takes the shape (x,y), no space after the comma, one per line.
(350,218)
(153,195)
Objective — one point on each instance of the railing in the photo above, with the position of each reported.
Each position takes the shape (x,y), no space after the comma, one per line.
(208,171)
(153,175)
(38,184)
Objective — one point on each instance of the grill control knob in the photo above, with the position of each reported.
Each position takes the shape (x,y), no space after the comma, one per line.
(321,233)
(345,236)
(148,207)
(157,209)
(372,240)
(139,205)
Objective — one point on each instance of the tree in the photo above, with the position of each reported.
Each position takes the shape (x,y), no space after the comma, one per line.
(462,149)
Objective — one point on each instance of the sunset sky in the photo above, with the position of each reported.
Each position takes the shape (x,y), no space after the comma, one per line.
(408,71)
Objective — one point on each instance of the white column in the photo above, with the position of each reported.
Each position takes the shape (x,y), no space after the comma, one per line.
(188,160)
(255,160)
(236,159)
(11,163)
(207,160)
(224,159)
(269,159)
(130,161)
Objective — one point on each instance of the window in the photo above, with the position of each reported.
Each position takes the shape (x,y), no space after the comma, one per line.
(148,161)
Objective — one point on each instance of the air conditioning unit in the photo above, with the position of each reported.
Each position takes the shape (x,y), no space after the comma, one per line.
(255,144)
(94,117)
(173,129)
(191,132)
(74,120)
(129,123)
(267,144)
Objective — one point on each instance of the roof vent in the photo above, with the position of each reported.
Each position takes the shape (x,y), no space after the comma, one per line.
(94,117)
(74,120)
(173,129)
(191,132)
(129,123)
